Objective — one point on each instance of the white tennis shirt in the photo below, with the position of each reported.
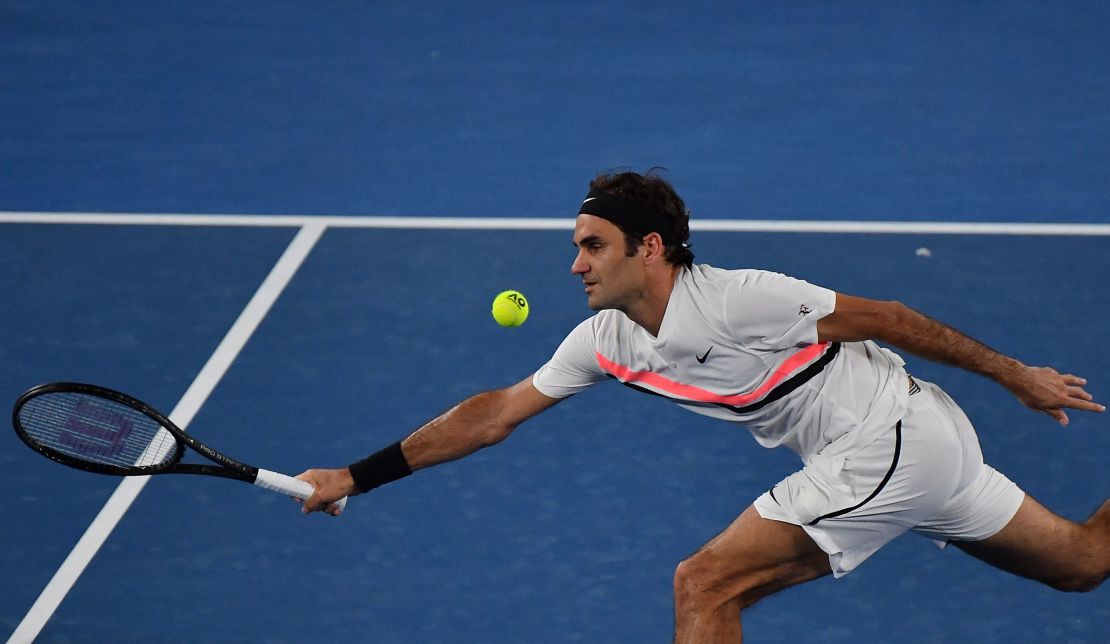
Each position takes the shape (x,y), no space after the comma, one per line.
(741,346)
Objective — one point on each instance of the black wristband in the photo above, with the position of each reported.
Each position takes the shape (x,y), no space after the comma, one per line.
(380,468)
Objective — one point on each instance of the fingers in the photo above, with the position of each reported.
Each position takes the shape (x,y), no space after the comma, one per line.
(1083,401)
(1071,396)
(1077,397)
(315,504)
(1079,394)
(322,498)
(312,503)
(1052,392)
(1084,405)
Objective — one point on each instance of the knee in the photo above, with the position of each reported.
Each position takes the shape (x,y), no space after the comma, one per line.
(699,588)
(1090,564)
(687,583)
(691,584)
(1080,581)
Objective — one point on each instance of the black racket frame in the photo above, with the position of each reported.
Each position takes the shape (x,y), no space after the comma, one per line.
(225,467)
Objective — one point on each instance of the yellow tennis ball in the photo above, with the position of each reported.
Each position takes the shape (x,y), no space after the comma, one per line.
(510,308)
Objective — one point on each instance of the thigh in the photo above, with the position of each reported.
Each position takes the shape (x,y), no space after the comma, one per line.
(755,557)
(1036,544)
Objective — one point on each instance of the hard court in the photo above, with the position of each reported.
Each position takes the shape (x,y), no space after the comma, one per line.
(353,182)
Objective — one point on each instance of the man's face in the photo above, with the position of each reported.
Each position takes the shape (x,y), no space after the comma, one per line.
(612,278)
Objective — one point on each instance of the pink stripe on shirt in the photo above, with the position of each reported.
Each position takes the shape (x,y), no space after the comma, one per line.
(794,363)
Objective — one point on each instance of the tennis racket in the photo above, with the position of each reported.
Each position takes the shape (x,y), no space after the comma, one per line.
(100,430)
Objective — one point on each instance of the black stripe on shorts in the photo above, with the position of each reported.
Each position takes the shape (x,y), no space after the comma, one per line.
(882,484)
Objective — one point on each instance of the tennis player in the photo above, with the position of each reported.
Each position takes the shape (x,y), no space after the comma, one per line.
(799,365)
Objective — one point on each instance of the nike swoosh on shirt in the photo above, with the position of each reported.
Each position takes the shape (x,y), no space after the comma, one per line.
(702,359)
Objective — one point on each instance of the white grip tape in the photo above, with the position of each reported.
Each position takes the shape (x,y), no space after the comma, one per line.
(282,484)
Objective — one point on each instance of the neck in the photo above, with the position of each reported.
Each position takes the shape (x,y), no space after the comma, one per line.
(648,310)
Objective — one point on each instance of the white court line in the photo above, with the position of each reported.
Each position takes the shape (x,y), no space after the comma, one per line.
(190,403)
(553,223)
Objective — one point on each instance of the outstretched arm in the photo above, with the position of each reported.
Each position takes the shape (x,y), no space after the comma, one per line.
(479,421)
(1039,388)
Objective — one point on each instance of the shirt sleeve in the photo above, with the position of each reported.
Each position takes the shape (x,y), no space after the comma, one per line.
(771,311)
(573,367)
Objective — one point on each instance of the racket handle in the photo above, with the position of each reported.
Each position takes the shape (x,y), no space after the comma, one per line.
(282,484)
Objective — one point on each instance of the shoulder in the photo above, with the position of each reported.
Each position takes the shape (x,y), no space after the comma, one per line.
(776,310)
(747,283)
(609,325)
(602,324)
(706,276)
(704,282)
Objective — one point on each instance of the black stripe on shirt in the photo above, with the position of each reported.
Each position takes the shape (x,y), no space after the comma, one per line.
(790,384)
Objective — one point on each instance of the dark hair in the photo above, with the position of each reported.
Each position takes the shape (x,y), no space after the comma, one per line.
(651,191)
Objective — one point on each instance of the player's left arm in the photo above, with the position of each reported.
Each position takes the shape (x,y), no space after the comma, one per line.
(1040,388)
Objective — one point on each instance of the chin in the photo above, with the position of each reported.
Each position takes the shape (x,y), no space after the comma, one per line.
(596,304)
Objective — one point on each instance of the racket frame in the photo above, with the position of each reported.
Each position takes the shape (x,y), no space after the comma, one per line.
(225,467)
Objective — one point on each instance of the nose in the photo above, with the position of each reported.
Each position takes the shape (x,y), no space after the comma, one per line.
(579,266)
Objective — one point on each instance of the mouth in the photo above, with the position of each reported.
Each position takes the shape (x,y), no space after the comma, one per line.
(589,286)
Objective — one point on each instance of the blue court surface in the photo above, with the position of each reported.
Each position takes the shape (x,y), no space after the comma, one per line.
(569,531)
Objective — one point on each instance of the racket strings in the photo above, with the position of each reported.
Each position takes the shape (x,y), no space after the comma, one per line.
(97,430)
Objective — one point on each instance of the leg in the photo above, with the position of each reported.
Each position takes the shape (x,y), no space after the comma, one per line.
(753,558)
(1042,546)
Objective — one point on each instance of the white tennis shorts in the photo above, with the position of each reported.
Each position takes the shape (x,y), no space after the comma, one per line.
(925,475)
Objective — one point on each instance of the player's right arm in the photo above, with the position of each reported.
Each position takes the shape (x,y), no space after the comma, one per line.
(479,421)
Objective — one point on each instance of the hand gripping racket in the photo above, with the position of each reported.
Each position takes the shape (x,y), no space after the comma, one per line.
(100,430)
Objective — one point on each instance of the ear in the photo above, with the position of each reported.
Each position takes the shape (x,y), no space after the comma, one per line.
(653,247)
